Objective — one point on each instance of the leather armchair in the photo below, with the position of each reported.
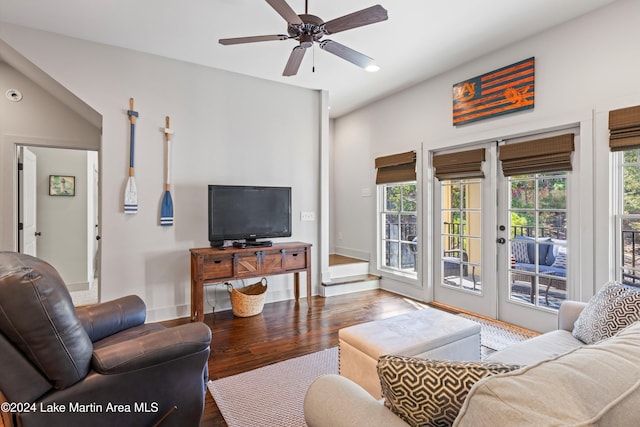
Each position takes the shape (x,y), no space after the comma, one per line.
(95,366)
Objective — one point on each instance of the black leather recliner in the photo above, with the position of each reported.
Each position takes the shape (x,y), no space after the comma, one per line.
(94,366)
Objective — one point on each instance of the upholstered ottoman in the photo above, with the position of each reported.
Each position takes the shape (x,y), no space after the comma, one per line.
(427,333)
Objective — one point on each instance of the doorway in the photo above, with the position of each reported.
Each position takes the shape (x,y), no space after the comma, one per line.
(58,194)
(503,236)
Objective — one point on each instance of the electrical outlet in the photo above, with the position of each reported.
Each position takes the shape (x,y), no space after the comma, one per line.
(307,216)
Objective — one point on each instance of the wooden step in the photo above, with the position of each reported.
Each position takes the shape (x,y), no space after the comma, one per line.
(349,284)
(350,279)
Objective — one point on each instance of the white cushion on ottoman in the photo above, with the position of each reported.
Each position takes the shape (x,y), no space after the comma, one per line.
(427,333)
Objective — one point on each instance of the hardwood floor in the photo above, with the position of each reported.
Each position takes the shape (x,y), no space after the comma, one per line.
(285,330)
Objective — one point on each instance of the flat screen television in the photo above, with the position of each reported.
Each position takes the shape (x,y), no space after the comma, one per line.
(248,213)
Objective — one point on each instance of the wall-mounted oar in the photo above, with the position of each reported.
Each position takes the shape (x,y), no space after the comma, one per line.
(130,191)
(166,213)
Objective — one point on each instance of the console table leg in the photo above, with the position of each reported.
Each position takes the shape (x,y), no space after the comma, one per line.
(309,299)
(296,286)
(197,302)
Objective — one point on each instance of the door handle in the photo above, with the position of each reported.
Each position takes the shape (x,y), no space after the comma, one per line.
(37,233)
(501,240)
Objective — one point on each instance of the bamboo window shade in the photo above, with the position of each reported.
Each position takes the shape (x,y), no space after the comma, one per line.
(396,168)
(539,155)
(459,165)
(624,129)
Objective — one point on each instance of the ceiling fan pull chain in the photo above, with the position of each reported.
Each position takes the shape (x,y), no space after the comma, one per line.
(313,66)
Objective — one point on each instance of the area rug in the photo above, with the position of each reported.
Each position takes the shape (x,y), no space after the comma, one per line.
(495,336)
(272,395)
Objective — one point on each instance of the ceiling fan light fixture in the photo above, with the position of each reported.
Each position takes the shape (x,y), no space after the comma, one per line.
(372,68)
(306,41)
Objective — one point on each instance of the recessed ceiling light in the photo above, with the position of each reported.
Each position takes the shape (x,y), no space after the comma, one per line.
(13,95)
(372,68)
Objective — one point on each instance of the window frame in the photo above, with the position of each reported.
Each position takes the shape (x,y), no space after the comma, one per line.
(398,272)
(620,216)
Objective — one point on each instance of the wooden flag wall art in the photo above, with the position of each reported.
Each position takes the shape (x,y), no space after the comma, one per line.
(503,91)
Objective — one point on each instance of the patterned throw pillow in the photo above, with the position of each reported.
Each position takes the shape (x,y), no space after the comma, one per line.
(611,309)
(519,252)
(430,392)
(560,260)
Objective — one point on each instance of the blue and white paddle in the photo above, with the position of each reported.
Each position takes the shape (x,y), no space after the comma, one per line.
(166,212)
(130,191)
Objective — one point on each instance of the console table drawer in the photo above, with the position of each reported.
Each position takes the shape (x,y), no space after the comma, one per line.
(217,268)
(271,262)
(295,260)
(247,265)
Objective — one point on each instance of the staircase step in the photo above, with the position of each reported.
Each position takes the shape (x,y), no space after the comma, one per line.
(348,270)
(349,284)
(350,279)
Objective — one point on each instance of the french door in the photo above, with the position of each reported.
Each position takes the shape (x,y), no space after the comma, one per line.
(501,243)
(464,236)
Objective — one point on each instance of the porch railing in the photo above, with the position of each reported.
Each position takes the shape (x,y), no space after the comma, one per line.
(631,257)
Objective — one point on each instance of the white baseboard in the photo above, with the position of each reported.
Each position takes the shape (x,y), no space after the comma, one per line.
(219,297)
(353,253)
(80,286)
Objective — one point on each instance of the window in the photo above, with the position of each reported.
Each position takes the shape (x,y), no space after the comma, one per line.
(624,140)
(461,233)
(538,238)
(628,224)
(398,220)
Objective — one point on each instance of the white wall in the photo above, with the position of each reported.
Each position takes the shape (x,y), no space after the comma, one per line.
(583,69)
(229,129)
(62,220)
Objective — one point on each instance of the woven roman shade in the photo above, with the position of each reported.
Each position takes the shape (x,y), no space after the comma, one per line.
(460,165)
(624,129)
(396,168)
(538,155)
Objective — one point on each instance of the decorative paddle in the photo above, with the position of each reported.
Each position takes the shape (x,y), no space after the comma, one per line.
(166,213)
(130,191)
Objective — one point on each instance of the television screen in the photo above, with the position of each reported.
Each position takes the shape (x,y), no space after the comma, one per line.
(248,213)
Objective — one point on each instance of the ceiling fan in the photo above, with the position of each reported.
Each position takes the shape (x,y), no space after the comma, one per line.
(307,29)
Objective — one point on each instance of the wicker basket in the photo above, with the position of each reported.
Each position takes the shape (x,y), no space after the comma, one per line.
(248,301)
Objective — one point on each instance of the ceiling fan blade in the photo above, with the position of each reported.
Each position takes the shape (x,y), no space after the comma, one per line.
(284,10)
(295,59)
(367,16)
(347,53)
(253,39)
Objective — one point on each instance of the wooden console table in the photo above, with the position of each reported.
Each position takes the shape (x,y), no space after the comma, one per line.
(213,265)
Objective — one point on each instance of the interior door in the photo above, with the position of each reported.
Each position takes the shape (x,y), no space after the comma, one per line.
(28,236)
(464,240)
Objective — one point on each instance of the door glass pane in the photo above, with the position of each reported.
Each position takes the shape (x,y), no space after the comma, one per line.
(538,239)
(522,193)
(461,230)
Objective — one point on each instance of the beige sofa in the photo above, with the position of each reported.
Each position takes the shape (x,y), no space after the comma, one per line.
(564,382)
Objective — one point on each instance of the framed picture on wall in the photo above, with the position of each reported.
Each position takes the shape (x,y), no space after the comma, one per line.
(62,185)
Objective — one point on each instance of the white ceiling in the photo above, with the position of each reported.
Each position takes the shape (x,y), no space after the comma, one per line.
(422,38)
